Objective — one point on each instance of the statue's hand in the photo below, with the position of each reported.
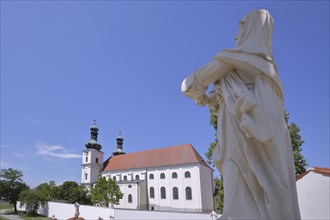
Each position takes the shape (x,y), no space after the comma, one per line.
(212,96)
(202,100)
(213,102)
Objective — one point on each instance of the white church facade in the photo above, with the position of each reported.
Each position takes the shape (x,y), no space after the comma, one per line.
(173,178)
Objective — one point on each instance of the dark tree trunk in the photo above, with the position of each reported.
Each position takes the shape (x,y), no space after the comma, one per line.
(15,207)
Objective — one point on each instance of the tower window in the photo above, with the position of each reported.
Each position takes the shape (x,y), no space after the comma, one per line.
(86,176)
(97,160)
(163,193)
(162,176)
(152,192)
(114,178)
(125,178)
(175,193)
(187,174)
(137,177)
(188,193)
(151,176)
(86,159)
(174,175)
(130,198)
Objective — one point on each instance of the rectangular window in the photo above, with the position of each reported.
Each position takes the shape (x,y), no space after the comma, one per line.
(86,159)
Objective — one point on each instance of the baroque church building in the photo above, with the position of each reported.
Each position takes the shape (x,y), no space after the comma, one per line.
(173,178)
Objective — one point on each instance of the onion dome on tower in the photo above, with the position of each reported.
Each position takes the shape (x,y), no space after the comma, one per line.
(93,142)
(120,141)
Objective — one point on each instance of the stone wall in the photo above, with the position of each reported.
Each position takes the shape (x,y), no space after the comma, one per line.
(314,196)
(65,211)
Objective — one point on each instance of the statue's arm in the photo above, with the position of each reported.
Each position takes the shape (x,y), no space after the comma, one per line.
(195,85)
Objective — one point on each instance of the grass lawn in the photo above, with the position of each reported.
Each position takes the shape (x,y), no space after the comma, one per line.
(5,205)
(28,216)
(35,218)
(20,213)
(2,218)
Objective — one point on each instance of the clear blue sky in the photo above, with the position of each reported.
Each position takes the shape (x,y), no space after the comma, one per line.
(64,63)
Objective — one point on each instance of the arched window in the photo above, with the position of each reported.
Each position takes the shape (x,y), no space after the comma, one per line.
(188,193)
(86,176)
(129,186)
(152,192)
(151,176)
(187,174)
(174,175)
(137,177)
(130,198)
(163,193)
(175,193)
(162,176)
(125,178)
(97,160)
(114,178)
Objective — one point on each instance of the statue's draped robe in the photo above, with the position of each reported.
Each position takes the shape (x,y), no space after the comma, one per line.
(254,151)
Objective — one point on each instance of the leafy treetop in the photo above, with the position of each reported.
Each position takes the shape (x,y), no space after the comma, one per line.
(106,191)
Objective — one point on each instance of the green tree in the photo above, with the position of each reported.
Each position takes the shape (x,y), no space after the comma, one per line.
(11,185)
(213,122)
(106,191)
(219,193)
(49,190)
(33,199)
(84,195)
(71,192)
(296,142)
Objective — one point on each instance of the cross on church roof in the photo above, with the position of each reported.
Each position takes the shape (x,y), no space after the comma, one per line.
(119,131)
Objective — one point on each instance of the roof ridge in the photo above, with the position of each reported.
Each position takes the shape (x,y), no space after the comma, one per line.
(200,158)
(320,170)
(159,148)
(157,157)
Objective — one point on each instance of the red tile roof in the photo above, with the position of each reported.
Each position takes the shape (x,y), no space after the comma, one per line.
(320,170)
(168,156)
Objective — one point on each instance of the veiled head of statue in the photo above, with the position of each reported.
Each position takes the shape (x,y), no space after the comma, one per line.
(255,33)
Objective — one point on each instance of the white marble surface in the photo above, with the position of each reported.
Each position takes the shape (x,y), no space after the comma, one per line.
(254,151)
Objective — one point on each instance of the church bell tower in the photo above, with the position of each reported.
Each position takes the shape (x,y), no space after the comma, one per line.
(92,160)
(120,141)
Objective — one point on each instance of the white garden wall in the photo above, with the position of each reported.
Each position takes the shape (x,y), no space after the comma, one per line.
(65,211)
(314,196)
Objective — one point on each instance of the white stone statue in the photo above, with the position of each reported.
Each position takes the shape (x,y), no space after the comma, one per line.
(112,211)
(213,215)
(76,210)
(254,152)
